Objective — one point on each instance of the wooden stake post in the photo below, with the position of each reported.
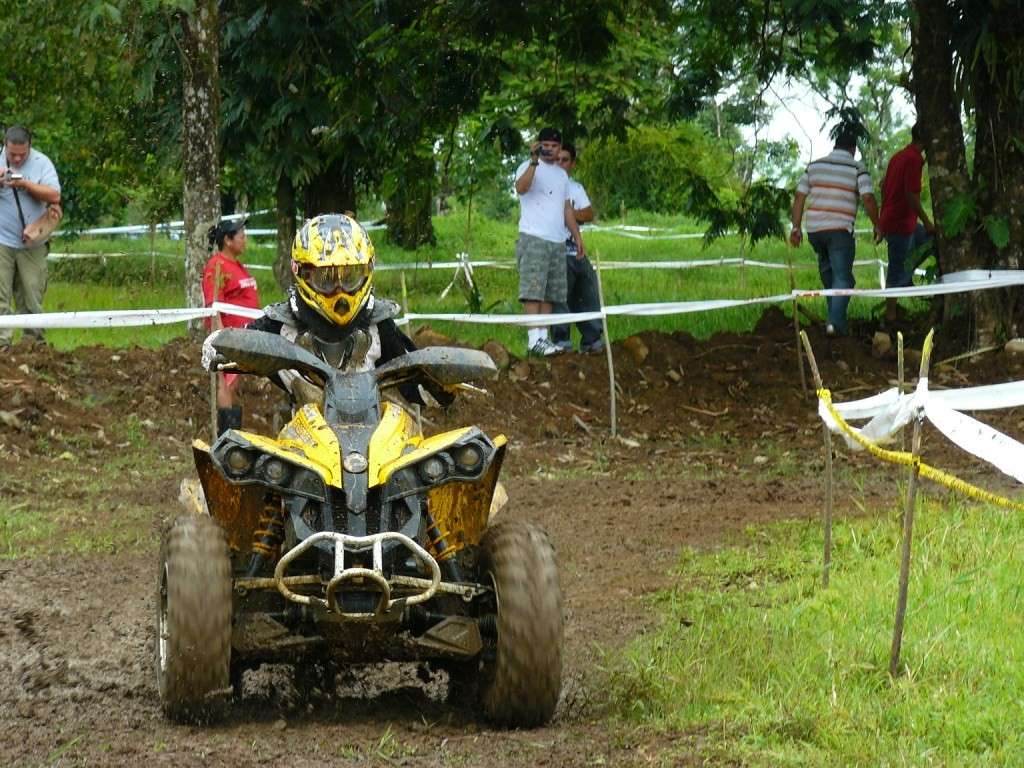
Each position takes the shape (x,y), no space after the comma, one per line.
(908,523)
(827,515)
(796,322)
(899,382)
(607,348)
(213,374)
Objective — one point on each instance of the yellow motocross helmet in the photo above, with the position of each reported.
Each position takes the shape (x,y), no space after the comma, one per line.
(332,261)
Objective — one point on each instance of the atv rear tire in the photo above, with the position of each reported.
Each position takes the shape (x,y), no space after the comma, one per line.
(193,641)
(519,685)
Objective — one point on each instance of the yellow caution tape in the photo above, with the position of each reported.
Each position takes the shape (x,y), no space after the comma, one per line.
(908,459)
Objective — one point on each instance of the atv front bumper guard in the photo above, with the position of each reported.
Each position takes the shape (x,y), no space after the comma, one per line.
(426,588)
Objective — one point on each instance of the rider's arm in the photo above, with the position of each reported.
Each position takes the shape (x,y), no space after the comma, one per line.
(394,343)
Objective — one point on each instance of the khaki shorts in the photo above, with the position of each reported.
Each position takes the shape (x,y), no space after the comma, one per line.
(542,274)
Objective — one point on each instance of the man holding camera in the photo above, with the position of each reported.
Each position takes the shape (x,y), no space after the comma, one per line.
(28,188)
(545,213)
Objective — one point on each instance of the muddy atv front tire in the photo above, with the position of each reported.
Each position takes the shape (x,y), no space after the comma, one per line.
(520,676)
(193,641)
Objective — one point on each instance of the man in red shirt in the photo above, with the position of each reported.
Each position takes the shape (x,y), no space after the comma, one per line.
(901,208)
(226,279)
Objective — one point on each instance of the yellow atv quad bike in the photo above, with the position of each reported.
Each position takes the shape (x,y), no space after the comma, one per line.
(351,539)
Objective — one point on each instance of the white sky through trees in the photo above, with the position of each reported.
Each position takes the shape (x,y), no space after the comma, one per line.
(801,114)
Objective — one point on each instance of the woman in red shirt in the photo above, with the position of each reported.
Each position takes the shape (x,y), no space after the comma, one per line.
(226,279)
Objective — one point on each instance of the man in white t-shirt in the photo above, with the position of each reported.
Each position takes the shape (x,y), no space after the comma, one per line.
(545,212)
(582,295)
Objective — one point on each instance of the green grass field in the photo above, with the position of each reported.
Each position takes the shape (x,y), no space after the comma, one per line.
(758,660)
(143,281)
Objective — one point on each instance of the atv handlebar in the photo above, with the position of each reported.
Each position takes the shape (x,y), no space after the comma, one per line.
(265,354)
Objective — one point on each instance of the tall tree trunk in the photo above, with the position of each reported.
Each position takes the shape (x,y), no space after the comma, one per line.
(999,171)
(410,204)
(333,190)
(285,230)
(938,112)
(997,186)
(200,121)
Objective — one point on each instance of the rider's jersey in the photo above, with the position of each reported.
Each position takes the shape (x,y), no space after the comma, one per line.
(294,320)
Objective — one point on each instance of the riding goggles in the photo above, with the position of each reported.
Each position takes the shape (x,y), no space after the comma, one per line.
(328,281)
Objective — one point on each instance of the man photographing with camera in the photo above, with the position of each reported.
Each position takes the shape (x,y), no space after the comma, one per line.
(545,212)
(29,187)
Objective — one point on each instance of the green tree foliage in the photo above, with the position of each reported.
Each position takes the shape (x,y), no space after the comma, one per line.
(655,169)
(61,76)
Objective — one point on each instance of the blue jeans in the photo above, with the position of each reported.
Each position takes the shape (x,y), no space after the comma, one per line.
(581,297)
(835,251)
(900,274)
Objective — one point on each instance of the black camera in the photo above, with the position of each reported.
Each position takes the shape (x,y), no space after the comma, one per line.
(541,152)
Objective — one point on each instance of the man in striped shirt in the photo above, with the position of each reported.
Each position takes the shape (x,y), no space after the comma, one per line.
(830,187)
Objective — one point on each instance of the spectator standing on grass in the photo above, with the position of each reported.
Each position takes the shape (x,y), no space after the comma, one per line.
(831,187)
(901,209)
(226,279)
(545,214)
(581,282)
(29,188)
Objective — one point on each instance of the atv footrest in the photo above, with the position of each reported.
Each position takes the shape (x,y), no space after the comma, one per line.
(374,577)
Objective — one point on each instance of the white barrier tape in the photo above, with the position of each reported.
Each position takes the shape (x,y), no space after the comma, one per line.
(499,264)
(123,318)
(988,397)
(165,226)
(642,310)
(626,230)
(234,309)
(117,318)
(891,412)
(634,232)
(959,284)
(1002,452)
(952,283)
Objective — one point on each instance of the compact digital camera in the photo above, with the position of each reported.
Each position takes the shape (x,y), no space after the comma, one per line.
(12,176)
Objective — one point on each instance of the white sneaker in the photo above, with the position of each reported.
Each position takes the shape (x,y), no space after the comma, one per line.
(830,330)
(544,348)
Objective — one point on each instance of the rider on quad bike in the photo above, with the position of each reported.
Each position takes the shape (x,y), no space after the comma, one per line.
(332,298)
(348,537)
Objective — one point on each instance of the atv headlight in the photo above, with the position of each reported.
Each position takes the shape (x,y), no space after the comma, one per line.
(238,461)
(468,457)
(276,471)
(433,469)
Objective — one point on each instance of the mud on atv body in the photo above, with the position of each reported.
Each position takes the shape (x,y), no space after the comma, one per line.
(349,538)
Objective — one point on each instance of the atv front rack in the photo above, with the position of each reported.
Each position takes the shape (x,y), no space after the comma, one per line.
(362,576)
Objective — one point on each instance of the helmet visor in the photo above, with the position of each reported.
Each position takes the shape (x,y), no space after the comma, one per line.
(328,281)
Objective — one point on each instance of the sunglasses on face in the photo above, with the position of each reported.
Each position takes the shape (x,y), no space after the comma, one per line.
(327,281)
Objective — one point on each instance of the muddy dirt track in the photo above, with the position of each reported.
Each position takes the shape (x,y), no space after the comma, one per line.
(94,443)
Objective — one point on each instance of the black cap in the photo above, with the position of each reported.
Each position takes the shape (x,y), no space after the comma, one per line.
(230,226)
(224,228)
(549,134)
